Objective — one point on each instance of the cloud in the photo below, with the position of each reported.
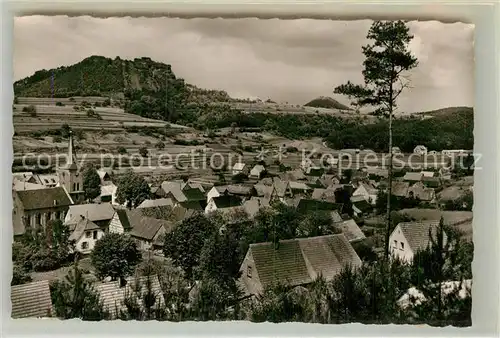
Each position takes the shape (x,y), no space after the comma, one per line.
(287,60)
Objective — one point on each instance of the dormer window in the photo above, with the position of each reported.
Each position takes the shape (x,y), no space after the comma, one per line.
(249,272)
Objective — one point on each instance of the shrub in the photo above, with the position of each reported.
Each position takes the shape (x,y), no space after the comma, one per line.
(160,145)
(143,151)
(147,142)
(31,109)
(16,100)
(72,99)
(122,150)
(59,104)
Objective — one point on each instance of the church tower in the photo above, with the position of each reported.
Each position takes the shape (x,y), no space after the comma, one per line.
(69,175)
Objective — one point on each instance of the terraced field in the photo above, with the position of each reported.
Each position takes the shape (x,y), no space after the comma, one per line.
(49,116)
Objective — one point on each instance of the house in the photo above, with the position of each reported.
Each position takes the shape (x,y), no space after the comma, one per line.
(26,176)
(350,230)
(171,189)
(222,202)
(281,190)
(420,150)
(444,173)
(262,190)
(431,182)
(142,227)
(31,300)
(314,170)
(426,174)
(309,205)
(239,168)
(70,176)
(396,150)
(360,205)
(48,181)
(18,185)
(299,188)
(101,214)
(419,191)
(85,234)
(156,203)
(35,208)
(294,175)
(113,293)
(400,189)
(335,216)
(104,176)
(108,194)
(192,185)
(410,237)
(327,194)
(257,171)
(413,177)
(367,191)
(295,262)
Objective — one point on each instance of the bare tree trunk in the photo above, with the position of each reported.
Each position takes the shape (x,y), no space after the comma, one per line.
(389,190)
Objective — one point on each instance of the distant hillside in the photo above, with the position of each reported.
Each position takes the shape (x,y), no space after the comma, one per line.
(326,102)
(446,111)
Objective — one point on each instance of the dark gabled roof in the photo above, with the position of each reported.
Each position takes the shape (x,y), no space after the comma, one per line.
(286,265)
(432,182)
(93,211)
(31,300)
(263,190)
(362,205)
(411,176)
(300,261)
(194,205)
(193,194)
(227,201)
(239,189)
(308,205)
(400,189)
(142,226)
(351,230)
(417,233)
(43,198)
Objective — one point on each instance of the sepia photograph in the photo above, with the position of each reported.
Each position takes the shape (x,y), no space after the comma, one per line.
(260,170)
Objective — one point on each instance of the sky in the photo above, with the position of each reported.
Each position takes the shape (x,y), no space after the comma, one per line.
(286,60)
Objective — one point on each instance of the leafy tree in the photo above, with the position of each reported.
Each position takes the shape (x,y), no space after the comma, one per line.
(142,302)
(160,145)
(31,109)
(20,275)
(91,183)
(278,303)
(132,190)
(74,297)
(115,255)
(143,151)
(185,243)
(121,150)
(386,61)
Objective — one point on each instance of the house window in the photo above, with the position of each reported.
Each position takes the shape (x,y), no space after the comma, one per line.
(249,272)
(402,246)
(95,234)
(395,243)
(88,234)
(85,245)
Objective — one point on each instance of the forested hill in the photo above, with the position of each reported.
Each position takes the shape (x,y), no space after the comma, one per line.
(101,76)
(326,102)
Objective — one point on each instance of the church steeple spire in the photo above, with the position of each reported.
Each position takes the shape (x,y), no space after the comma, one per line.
(70,148)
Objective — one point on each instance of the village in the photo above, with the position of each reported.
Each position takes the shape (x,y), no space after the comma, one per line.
(138,195)
(349,197)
